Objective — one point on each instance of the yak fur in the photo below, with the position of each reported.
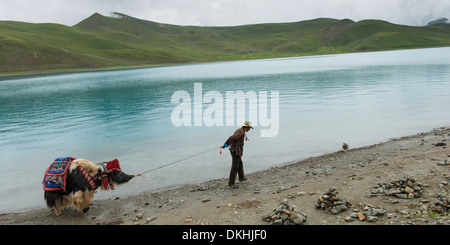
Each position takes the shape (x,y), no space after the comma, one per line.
(78,192)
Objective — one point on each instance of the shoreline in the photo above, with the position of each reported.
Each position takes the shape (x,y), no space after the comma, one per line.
(75,70)
(353,172)
(143,66)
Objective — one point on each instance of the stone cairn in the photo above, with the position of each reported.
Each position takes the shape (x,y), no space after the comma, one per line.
(366,212)
(285,214)
(404,188)
(443,205)
(330,202)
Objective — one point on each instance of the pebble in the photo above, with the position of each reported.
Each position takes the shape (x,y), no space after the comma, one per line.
(348,219)
(361,216)
(203,187)
(372,219)
(151,219)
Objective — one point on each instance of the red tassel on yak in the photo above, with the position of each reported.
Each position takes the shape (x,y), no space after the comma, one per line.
(114,164)
(105,186)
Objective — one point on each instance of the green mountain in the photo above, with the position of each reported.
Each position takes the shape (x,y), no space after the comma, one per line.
(124,41)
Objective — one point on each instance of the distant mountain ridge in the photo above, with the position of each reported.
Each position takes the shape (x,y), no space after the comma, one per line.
(125,41)
(438,21)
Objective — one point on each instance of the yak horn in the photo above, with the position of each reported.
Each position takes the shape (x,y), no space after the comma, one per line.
(104,168)
(103,164)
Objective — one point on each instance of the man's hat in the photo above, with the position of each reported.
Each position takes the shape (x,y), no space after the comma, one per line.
(247,124)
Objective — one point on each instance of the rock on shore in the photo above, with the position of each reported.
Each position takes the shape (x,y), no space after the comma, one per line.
(285,214)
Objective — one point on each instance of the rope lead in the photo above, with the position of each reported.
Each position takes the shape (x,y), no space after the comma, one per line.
(163,166)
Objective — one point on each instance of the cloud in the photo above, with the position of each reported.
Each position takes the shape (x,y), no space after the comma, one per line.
(226,12)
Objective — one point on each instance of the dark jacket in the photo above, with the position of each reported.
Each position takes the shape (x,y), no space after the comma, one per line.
(237,142)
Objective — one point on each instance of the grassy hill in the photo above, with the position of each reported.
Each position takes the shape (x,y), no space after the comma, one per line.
(124,41)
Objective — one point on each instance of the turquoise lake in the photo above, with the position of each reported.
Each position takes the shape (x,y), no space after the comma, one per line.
(324,101)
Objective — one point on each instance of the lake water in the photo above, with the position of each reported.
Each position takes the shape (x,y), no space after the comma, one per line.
(360,99)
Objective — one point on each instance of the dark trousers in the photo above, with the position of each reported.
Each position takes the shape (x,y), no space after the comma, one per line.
(237,168)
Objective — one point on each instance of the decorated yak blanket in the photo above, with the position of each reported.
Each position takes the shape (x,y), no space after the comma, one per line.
(56,175)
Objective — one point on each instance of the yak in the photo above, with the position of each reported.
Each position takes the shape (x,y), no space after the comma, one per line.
(71,181)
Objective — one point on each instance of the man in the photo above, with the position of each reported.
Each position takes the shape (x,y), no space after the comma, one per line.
(236,143)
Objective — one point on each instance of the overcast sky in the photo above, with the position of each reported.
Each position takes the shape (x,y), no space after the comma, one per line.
(226,12)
